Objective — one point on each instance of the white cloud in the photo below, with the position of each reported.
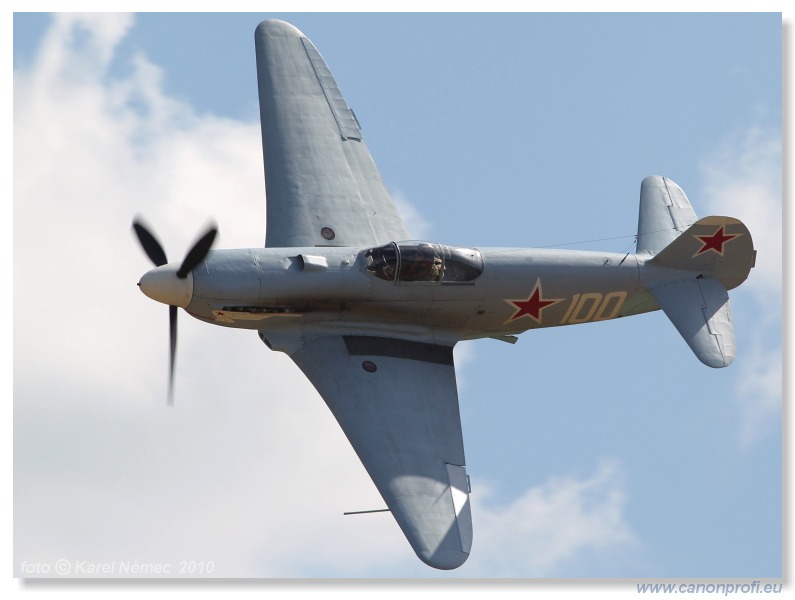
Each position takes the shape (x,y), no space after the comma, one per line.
(250,470)
(561,526)
(759,391)
(103,469)
(742,178)
(416,225)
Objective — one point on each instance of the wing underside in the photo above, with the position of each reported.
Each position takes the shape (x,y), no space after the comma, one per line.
(397,403)
(323,187)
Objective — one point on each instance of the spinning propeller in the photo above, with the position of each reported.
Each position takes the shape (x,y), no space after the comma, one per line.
(170,284)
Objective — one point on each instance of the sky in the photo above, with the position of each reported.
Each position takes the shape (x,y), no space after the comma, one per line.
(601,451)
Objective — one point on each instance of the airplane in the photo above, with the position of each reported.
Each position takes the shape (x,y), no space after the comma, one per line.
(371,316)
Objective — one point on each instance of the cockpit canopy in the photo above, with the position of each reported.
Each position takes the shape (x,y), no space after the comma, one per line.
(424,262)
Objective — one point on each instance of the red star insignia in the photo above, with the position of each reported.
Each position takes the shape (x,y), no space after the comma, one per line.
(715,241)
(533,305)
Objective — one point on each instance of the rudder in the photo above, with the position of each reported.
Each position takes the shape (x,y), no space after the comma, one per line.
(718,247)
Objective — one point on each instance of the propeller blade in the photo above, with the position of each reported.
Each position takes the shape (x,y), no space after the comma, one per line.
(150,244)
(172,325)
(157,255)
(197,253)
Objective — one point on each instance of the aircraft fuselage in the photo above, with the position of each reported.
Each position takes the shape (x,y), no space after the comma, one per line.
(336,289)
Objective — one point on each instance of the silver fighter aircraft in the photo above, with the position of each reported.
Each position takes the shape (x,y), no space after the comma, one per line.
(371,318)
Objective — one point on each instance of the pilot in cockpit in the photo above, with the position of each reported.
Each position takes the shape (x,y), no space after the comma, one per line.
(420,264)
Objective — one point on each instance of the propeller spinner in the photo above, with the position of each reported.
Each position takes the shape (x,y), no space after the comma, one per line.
(171,284)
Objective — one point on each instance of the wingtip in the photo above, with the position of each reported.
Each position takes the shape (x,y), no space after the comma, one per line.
(278,27)
(444,560)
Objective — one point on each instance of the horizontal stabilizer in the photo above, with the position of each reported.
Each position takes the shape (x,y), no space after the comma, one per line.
(665,212)
(699,309)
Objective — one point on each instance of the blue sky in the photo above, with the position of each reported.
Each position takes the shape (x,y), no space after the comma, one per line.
(606,450)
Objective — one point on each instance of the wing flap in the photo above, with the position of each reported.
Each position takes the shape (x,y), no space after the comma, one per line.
(322,185)
(397,403)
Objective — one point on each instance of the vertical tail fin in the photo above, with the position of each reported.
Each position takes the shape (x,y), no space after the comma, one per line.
(713,255)
(693,264)
(716,247)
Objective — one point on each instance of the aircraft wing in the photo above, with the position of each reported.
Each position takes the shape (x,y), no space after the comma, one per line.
(397,403)
(322,186)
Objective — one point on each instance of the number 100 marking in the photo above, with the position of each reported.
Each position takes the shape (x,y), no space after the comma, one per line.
(593,307)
